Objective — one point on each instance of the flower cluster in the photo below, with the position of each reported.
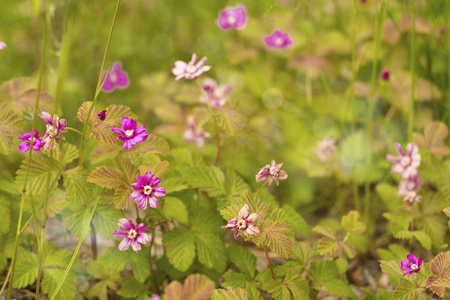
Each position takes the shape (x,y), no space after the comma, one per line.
(245,223)
(193,134)
(325,148)
(273,172)
(130,135)
(146,189)
(412,265)
(216,94)
(55,127)
(406,165)
(131,235)
(117,78)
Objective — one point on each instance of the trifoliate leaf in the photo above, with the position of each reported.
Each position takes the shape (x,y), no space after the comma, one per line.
(105,220)
(303,251)
(210,251)
(323,270)
(299,224)
(207,179)
(275,236)
(278,290)
(175,209)
(180,248)
(11,125)
(26,269)
(51,280)
(161,168)
(350,222)
(231,293)
(433,139)
(297,285)
(338,287)
(440,266)
(409,291)
(234,187)
(243,259)
(77,189)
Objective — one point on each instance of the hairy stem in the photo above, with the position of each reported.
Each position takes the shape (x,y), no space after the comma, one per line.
(261,188)
(270,263)
(412,62)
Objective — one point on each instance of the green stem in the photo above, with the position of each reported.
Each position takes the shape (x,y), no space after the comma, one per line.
(93,242)
(353,64)
(98,89)
(261,188)
(270,263)
(74,130)
(155,282)
(412,62)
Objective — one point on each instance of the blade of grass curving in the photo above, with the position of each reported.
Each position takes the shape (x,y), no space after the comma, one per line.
(35,114)
(94,101)
(353,63)
(75,253)
(413,70)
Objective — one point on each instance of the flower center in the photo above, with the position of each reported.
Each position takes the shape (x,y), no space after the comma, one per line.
(274,171)
(113,77)
(218,93)
(278,41)
(405,161)
(410,185)
(51,131)
(132,234)
(232,20)
(129,133)
(414,267)
(147,190)
(191,69)
(241,224)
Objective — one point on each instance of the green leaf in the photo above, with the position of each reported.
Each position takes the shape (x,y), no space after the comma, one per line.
(303,251)
(423,238)
(408,291)
(141,265)
(175,209)
(210,251)
(76,219)
(10,128)
(186,158)
(113,259)
(230,119)
(174,184)
(201,116)
(388,194)
(275,236)
(234,187)
(433,139)
(107,178)
(132,289)
(323,270)
(338,287)
(174,274)
(66,153)
(327,232)
(180,248)
(195,287)
(350,223)
(392,268)
(231,293)
(105,220)
(54,256)
(278,290)
(51,280)
(297,285)
(243,259)
(207,179)
(5,220)
(299,224)
(204,220)
(26,269)
(255,205)
(77,189)
(440,266)
(236,280)
(161,168)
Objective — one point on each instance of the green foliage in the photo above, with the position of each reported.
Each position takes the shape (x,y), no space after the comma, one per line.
(160,169)
(409,291)
(249,292)
(329,244)
(174,209)
(5,208)
(105,220)
(180,248)
(439,266)
(299,224)
(236,280)
(293,285)
(11,125)
(230,119)
(26,269)
(76,186)
(433,139)
(106,280)
(276,236)
(51,280)
(243,259)
(324,270)
(133,289)
(350,223)
(339,288)
(207,179)
(195,287)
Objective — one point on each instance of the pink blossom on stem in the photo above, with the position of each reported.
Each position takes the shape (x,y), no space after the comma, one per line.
(190,70)
(146,189)
(409,189)
(2,45)
(117,78)
(216,94)
(273,172)
(385,74)
(232,18)
(407,163)
(412,264)
(131,235)
(244,223)
(325,148)
(195,135)
(37,143)
(55,127)
(278,40)
(130,135)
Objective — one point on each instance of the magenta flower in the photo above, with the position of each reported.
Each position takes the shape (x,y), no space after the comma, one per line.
(272,172)
(325,148)
(155,297)
(385,74)
(413,265)
(278,40)
(190,70)
(25,146)
(146,189)
(195,135)
(131,235)
(117,78)
(130,135)
(102,115)
(244,223)
(409,189)
(216,94)
(2,45)
(55,127)
(407,163)
(232,18)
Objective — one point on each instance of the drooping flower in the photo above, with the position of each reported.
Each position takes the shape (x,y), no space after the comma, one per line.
(146,189)
(37,143)
(407,163)
(55,127)
(278,40)
(130,135)
(325,148)
(216,94)
(102,115)
(232,18)
(413,265)
(244,223)
(2,45)
(385,74)
(190,70)
(273,172)
(195,135)
(409,189)
(131,235)
(117,78)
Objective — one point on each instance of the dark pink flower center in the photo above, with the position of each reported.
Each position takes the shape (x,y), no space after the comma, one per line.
(148,190)
(132,234)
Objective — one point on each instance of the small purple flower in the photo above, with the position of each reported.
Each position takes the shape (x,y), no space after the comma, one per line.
(131,235)
(195,135)
(2,45)
(155,297)
(409,189)
(55,127)
(117,78)
(146,189)
(325,148)
(385,74)
(407,163)
(244,223)
(413,265)
(278,40)
(25,146)
(190,70)
(130,135)
(102,115)
(273,172)
(232,18)
(216,94)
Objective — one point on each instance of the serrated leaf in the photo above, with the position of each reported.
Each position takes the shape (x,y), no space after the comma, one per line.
(195,287)
(338,287)
(77,188)
(350,222)
(409,291)
(76,219)
(335,248)
(440,266)
(51,280)
(66,153)
(230,212)
(175,209)
(243,259)
(141,265)
(5,220)
(180,248)
(231,293)
(278,290)
(234,187)
(423,238)
(204,220)
(26,270)
(297,285)
(10,128)
(323,270)
(230,119)
(207,179)
(210,251)
(303,251)
(201,116)
(54,256)
(392,268)
(185,157)
(174,184)
(275,236)
(106,177)
(298,223)
(161,168)
(255,205)
(433,139)
(236,280)
(105,220)
(133,289)
(153,144)
(327,232)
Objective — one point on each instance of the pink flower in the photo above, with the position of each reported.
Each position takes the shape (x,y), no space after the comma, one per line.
(409,189)
(102,115)
(190,70)
(195,135)
(154,297)
(130,135)
(55,127)
(116,78)
(325,148)
(216,94)
(278,40)
(25,146)
(272,172)
(232,18)
(131,235)
(385,74)
(244,223)
(146,189)
(407,163)
(2,45)
(413,265)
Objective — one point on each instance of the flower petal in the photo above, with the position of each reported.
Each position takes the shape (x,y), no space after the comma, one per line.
(124,244)
(46,117)
(243,213)
(119,234)
(143,238)
(153,202)
(124,224)
(136,246)
(412,258)
(159,192)
(24,146)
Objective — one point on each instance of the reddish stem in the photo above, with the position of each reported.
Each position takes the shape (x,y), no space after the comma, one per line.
(270,264)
